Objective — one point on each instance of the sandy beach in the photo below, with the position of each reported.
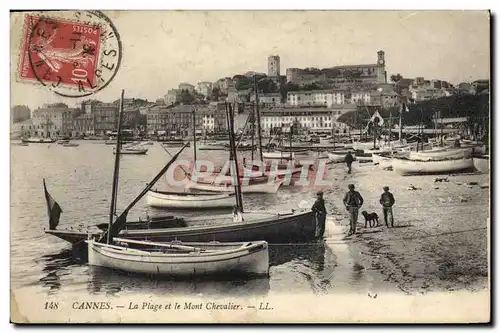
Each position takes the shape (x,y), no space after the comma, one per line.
(440,238)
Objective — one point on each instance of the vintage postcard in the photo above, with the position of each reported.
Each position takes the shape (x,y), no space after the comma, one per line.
(250,166)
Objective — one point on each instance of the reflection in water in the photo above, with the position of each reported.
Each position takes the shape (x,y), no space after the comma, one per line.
(112,282)
(58,265)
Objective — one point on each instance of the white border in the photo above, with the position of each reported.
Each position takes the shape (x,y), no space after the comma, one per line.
(179,4)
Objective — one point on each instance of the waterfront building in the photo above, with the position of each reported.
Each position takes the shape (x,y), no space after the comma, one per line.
(325,98)
(312,120)
(83,125)
(52,120)
(19,113)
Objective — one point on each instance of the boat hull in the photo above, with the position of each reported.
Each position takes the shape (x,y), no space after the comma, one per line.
(482,164)
(264,187)
(277,155)
(248,259)
(406,166)
(189,200)
(278,228)
(440,154)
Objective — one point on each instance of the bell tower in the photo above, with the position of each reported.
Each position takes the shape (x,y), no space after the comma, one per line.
(381,73)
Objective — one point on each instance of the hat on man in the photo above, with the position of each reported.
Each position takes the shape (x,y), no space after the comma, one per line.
(350,186)
(319,193)
(386,188)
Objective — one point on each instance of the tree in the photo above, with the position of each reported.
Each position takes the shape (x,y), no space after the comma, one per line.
(186,97)
(215,94)
(396,78)
(267,86)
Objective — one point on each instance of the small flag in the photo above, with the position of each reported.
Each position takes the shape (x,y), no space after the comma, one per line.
(377,119)
(53,209)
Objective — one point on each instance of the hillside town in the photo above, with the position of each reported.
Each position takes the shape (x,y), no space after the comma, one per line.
(313,98)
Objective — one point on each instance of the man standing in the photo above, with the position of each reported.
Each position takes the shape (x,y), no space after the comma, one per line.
(319,214)
(348,160)
(387,201)
(353,201)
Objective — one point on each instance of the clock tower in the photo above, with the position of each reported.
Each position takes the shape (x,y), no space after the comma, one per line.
(381,73)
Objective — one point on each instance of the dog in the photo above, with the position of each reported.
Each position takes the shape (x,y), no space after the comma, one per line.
(371,219)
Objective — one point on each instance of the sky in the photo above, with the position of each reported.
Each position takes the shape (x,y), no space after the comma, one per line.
(163,48)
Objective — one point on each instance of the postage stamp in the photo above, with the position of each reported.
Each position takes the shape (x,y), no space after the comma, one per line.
(73,55)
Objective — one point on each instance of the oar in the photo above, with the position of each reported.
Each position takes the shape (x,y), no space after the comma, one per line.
(170,246)
(185,172)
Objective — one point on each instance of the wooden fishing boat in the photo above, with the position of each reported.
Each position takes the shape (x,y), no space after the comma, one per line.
(183,260)
(336,158)
(212,146)
(410,166)
(363,157)
(61,142)
(440,154)
(482,163)
(21,144)
(180,200)
(284,227)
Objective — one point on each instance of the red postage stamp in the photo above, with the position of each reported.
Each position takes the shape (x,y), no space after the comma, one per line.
(74,57)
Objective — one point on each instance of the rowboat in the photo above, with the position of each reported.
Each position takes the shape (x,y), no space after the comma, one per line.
(61,142)
(284,227)
(189,200)
(440,154)
(181,260)
(278,155)
(212,146)
(262,187)
(482,163)
(363,157)
(410,166)
(21,144)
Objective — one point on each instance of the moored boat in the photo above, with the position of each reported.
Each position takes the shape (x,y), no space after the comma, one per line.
(410,166)
(132,151)
(261,187)
(180,200)
(278,155)
(174,259)
(70,144)
(440,154)
(272,227)
(336,158)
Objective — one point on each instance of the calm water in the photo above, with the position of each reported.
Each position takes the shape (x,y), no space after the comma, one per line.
(80,180)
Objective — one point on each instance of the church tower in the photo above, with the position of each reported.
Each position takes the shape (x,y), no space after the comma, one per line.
(381,72)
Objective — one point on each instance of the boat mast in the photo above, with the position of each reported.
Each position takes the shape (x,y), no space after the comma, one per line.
(259,131)
(194,137)
(333,131)
(441,130)
(401,123)
(234,157)
(116,171)
(390,128)
(253,134)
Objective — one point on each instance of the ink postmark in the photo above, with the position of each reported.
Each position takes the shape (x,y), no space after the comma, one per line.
(72,53)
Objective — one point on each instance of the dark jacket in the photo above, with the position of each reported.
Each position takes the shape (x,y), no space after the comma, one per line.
(387,199)
(353,199)
(319,206)
(349,158)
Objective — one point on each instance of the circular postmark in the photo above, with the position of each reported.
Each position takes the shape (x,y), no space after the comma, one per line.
(72,53)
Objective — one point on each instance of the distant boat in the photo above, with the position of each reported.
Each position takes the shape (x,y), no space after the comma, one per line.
(482,163)
(61,142)
(70,144)
(132,151)
(38,140)
(278,155)
(20,144)
(181,259)
(175,143)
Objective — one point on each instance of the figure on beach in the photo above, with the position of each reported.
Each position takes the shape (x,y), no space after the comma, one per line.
(387,201)
(353,202)
(348,160)
(237,217)
(319,214)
